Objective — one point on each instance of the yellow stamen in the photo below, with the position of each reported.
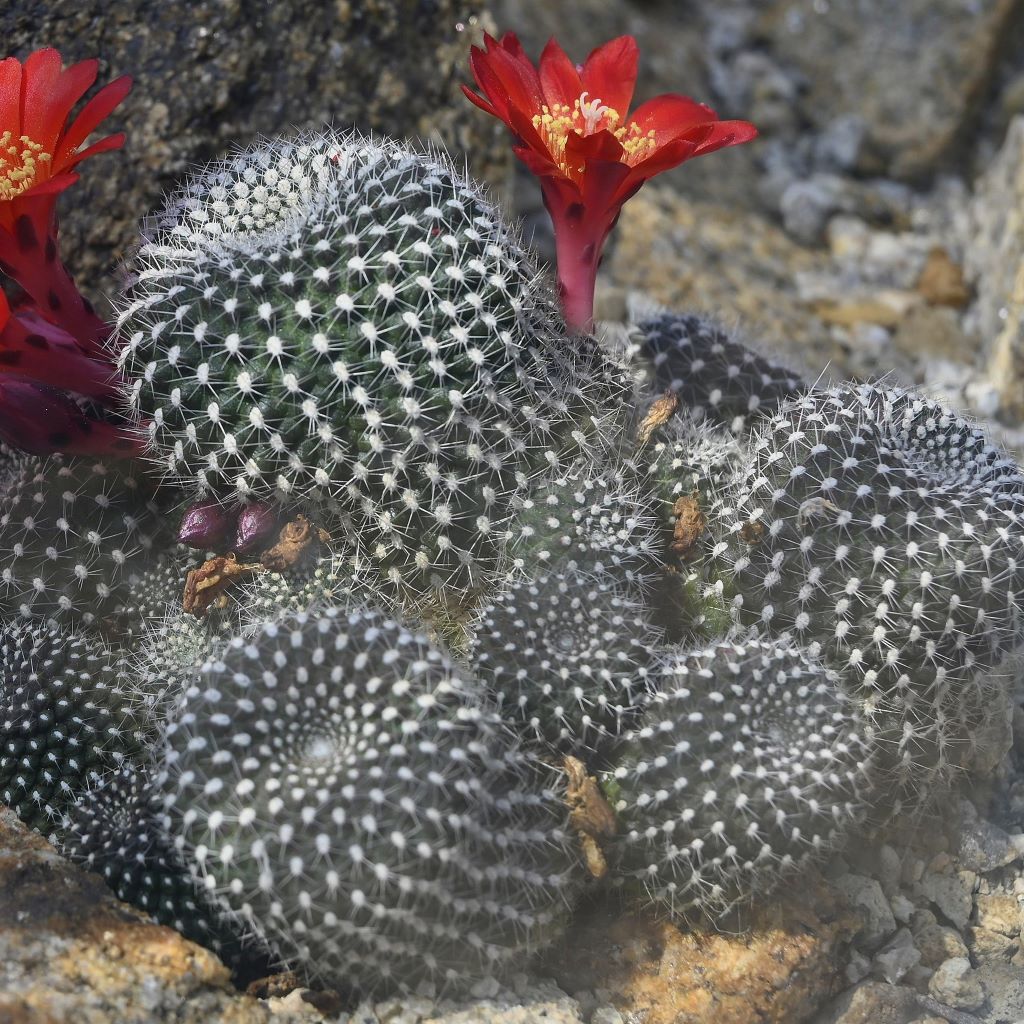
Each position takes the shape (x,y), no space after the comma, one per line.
(586,117)
(20,162)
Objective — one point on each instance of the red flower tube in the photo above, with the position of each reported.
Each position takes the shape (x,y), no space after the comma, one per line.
(572,131)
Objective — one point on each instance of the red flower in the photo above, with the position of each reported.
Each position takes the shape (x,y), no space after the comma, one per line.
(39,151)
(572,129)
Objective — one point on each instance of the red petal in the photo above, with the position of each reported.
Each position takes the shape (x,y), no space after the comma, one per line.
(539,163)
(103,146)
(95,111)
(609,73)
(479,101)
(727,133)
(559,79)
(510,43)
(672,154)
(670,115)
(10,96)
(50,93)
(601,145)
(509,82)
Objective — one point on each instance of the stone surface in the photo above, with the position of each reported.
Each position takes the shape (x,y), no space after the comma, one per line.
(995,264)
(866,895)
(957,984)
(872,1003)
(915,102)
(212,74)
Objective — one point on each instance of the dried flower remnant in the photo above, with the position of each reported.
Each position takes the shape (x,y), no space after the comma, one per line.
(572,131)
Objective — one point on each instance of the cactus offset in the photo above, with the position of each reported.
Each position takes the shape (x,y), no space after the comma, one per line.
(746,766)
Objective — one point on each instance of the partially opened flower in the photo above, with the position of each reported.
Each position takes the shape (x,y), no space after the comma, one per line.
(572,129)
(39,151)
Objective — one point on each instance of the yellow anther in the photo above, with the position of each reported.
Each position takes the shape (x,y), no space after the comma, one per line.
(587,116)
(19,164)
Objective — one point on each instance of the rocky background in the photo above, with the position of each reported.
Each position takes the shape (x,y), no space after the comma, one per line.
(876,227)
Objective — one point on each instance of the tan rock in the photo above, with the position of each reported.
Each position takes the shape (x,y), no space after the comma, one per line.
(780,968)
(942,281)
(1002,912)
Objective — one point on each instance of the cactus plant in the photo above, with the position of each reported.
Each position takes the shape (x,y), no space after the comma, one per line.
(747,765)
(347,794)
(71,531)
(567,656)
(63,719)
(346,321)
(883,531)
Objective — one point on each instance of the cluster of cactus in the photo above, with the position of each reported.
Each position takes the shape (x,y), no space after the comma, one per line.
(753,610)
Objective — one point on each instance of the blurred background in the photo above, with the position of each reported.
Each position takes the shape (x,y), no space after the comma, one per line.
(875,226)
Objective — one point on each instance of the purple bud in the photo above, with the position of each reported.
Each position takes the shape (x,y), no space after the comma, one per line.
(205,525)
(256,523)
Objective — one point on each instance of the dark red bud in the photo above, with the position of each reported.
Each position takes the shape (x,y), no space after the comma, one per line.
(205,525)
(256,523)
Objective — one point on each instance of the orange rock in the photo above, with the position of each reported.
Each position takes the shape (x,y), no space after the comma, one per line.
(780,970)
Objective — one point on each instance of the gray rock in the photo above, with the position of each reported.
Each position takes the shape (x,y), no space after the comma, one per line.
(867,60)
(866,895)
(807,205)
(897,957)
(872,1002)
(606,1015)
(950,895)
(982,846)
(993,259)
(211,74)
(1004,987)
(957,984)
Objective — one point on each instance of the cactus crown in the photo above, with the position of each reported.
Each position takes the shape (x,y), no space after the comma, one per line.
(748,763)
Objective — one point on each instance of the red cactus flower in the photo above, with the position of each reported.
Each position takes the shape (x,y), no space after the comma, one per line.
(39,151)
(572,131)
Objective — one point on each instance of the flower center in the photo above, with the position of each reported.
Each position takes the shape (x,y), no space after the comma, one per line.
(587,117)
(20,161)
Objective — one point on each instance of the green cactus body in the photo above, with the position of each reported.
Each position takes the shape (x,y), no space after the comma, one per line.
(346,322)
(346,794)
(71,532)
(747,765)
(63,720)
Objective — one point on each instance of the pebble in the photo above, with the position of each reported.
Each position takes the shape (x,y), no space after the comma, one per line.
(955,984)
(897,957)
(949,894)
